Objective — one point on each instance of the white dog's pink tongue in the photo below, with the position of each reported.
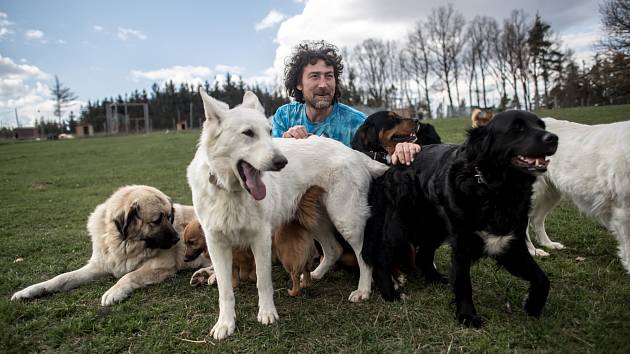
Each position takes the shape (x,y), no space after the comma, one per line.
(255,184)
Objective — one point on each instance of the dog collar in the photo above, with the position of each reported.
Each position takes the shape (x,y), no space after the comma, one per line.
(479,176)
(212,178)
(380,156)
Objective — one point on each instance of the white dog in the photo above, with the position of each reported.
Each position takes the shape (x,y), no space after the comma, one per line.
(239,204)
(592,169)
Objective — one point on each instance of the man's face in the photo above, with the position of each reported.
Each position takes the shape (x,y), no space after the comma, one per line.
(318,85)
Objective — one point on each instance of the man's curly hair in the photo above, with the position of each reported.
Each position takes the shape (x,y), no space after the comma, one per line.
(309,52)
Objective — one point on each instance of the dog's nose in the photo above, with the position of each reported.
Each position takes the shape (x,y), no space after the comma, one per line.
(550,138)
(279,162)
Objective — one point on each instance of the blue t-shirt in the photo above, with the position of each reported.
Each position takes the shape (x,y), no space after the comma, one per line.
(341,123)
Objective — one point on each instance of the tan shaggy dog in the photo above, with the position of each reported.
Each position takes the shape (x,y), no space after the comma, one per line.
(135,237)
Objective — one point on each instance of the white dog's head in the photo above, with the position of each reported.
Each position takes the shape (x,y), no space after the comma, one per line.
(238,143)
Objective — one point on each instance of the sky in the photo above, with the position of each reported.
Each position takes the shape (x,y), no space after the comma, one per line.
(102,49)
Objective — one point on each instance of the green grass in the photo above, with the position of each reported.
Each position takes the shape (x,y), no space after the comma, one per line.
(48,189)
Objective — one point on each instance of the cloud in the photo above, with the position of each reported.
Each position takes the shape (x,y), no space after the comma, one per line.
(61,41)
(272,18)
(348,23)
(97,28)
(178,74)
(4,25)
(10,70)
(23,87)
(33,34)
(128,33)
(582,43)
(232,69)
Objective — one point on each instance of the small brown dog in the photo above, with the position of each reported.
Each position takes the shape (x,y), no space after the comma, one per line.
(243,265)
(480,118)
(293,246)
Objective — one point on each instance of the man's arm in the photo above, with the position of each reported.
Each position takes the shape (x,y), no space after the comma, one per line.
(278,124)
(280,129)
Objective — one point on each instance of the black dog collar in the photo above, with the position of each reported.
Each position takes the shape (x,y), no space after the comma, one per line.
(380,156)
(479,176)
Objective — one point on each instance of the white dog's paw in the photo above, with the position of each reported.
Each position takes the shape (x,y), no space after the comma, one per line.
(316,275)
(212,279)
(222,329)
(267,317)
(359,295)
(22,294)
(112,296)
(554,245)
(540,253)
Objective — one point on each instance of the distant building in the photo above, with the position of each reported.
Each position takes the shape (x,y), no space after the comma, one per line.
(182,125)
(26,133)
(82,130)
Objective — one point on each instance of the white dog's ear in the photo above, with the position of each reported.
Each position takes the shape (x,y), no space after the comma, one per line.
(213,108)
(251,101)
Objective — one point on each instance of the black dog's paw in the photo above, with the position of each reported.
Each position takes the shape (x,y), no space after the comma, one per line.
(533,308)
(436,278)
(470,320)
(390,295)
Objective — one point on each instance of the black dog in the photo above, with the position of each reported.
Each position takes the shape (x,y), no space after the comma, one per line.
(476,195)
(378,135)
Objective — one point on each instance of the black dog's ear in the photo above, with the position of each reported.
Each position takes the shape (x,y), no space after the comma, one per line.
(478,144)
(123,221)
(428,135)
(362,137)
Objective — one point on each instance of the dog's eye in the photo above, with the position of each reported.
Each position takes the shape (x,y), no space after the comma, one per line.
(249,133)
(518,126)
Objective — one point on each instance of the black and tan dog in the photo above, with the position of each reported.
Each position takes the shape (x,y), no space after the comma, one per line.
(378,135)
(476,195)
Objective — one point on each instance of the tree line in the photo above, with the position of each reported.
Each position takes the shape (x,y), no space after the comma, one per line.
(169,104)
(518,62)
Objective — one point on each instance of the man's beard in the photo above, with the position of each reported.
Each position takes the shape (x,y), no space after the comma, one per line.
(322,104)
(319,102)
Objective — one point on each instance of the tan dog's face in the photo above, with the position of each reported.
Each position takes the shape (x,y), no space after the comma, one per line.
(403,130)
(147,217)
(195,241)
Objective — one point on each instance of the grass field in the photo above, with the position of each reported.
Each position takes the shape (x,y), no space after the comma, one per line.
(48,189)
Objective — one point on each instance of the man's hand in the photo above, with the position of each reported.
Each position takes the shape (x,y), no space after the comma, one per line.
(297,132)
(404,153)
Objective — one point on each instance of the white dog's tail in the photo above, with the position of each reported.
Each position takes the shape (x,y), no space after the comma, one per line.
(375,168)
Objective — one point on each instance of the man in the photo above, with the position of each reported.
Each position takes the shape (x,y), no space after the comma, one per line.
(312,78)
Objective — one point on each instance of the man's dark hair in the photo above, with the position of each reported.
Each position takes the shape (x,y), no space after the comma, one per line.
(309,52)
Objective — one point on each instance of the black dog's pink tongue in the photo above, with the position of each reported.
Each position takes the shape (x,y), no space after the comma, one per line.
(255,184)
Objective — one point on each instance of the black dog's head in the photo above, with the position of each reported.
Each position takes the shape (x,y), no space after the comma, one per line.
(382,130)
(513,138)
